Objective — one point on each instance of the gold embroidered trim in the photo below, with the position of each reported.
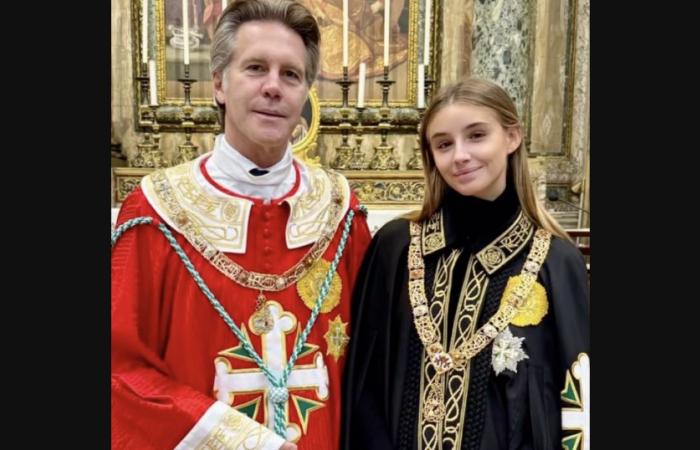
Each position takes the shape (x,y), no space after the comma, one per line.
(429,432)
(449,430)
(493,256)
(433,234)
(222,220)
(471,299)
(311,210)
(441,360)
(236,430)
(507,245)
(250,279)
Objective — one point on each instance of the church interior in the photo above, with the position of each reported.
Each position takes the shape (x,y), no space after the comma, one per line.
(360,119)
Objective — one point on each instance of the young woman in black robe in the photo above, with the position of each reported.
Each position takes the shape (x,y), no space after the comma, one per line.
(470,323)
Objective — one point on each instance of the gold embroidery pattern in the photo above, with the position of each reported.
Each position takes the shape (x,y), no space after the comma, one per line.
(312,202)
(433,234)
(191,192)
(314,211)
(510,307)
(442,285)
(457,383)
(237,431)
(535,306)
(433,406)
(447,428)
(507,245)
(219,220)
(250,279)
(309,286)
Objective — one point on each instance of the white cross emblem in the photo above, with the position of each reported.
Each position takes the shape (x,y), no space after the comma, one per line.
(579,419)
(228,382)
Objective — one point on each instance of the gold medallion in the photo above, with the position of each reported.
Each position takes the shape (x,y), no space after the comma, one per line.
(309,287)
(535,306)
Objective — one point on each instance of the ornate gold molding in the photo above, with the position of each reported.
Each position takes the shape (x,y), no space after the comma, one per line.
(306,146)
(126,179)
(404,188)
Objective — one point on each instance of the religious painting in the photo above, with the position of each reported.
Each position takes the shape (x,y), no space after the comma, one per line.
(365,39)
(366,45)
(202,16)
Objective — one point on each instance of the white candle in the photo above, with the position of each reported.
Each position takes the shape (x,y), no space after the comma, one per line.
(144,31)
(345,33)
(387,18)
(421,86)
(361,86)
(153,88)
(426,46)
(186,34)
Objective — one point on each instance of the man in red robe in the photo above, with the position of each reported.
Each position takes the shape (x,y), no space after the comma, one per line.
(232,274)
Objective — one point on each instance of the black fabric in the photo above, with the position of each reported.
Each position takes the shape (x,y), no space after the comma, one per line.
(471,223)
(410,399)
(509,411)
(480,367)
(257,172)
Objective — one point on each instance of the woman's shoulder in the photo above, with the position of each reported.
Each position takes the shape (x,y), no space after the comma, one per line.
(394,232)
(563,250)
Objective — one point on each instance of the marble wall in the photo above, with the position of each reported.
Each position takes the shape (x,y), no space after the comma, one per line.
(501,43)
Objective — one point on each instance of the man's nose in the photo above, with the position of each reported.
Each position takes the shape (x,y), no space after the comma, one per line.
(271,85)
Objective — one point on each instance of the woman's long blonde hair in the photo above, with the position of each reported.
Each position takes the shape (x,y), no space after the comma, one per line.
(479,92)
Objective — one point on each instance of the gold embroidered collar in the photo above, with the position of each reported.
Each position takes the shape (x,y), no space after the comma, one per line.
(181,202)
(222,219)
(494,255)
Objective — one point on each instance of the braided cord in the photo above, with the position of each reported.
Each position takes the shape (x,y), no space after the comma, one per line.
(278,391)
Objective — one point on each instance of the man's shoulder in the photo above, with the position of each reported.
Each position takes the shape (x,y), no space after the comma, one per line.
(327,183)
(135,205)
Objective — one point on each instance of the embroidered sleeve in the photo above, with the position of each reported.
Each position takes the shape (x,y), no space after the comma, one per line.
(222,427)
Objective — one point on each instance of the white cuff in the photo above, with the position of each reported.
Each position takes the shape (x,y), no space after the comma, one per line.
(224,427)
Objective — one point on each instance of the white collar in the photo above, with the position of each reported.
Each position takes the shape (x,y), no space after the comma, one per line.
(229,168)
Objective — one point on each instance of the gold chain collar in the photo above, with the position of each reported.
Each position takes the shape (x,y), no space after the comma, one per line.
(428,333)
(249,279)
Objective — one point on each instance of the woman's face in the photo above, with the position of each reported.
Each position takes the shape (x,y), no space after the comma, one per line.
(470,148)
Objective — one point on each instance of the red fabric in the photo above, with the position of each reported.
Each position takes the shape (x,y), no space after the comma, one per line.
(166,335)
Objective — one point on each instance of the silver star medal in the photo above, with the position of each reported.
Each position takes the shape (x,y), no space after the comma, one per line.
(507,352)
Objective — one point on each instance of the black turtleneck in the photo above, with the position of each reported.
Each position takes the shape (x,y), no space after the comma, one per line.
(472,223)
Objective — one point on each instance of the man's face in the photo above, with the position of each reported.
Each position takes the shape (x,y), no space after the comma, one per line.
(264,90)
